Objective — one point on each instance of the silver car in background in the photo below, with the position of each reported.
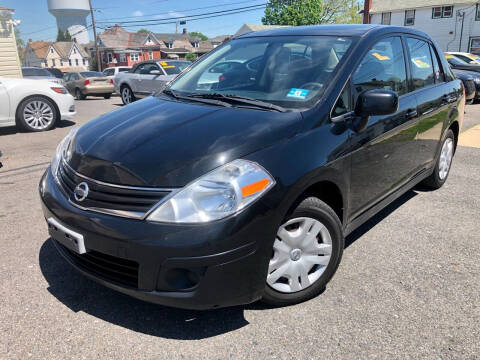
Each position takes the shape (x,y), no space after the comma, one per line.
(146,78)
(36,73)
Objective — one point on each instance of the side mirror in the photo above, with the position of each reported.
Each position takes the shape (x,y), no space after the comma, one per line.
(376,102)
(373,103)
(155,72)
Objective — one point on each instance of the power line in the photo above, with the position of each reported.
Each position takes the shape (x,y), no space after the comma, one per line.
(200,18)
(217,13)
(184,10)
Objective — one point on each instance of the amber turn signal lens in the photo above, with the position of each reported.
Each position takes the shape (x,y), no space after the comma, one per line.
(254,188)
(60,90)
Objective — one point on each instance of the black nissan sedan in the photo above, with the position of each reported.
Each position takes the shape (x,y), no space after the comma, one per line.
(244,188)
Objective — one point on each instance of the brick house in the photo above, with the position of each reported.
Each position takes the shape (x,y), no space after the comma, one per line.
(119,47)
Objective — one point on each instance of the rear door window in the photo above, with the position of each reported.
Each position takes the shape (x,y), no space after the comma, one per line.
(439,74)
(421,63)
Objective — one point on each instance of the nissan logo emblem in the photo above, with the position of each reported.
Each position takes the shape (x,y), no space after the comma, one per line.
(81,192)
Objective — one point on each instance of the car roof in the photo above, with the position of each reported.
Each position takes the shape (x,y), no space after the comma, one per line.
(335,30)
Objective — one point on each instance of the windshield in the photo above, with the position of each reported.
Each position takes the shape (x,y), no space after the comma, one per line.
(455,61)
(174,67)
(290,71)
(36,72)
(91,74)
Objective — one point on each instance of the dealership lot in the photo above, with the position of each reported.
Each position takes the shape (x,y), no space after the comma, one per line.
(408,285)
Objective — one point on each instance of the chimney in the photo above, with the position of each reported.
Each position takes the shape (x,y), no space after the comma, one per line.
(184,31)
(29,40)
(366,11)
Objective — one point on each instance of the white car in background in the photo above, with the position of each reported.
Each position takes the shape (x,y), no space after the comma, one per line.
(467,57)
(34,105)
(111,72)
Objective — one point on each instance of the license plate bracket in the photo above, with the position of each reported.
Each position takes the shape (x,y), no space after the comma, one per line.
(65,236)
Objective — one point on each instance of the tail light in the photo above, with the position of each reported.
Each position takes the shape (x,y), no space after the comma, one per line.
(111,81)
(222,78)
(86,82)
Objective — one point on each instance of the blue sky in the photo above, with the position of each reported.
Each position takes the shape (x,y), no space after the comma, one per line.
(38,24)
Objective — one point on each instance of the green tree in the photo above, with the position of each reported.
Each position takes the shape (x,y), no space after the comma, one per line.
(202,37)
(310,12)
(60,35)
(20,44)
(191,57)
(68,37)
(142,31)
(93,63)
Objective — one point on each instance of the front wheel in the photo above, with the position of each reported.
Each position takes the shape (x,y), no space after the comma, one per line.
(127,95)
(37,114)
(305,255)
(443,164)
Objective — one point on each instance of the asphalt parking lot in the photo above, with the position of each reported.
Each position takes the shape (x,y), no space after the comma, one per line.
(408,285)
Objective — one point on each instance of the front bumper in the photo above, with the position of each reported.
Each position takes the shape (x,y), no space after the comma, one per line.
(188,266)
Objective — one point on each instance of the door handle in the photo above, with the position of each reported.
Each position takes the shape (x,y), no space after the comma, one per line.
(411,114)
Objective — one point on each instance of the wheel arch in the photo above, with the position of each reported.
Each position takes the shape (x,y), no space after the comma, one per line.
(326,190)
(455,127)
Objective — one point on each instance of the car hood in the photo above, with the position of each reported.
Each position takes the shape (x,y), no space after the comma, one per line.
(162,143)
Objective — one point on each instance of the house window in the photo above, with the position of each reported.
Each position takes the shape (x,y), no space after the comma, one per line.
(84,61)
(76,62)
(170,45)
(46,63)
(409,17)
(74,50)
(437,12)
(53,63)
(150,55)
(447,11)
(477,13)
(61,62)
(70,62)
(134,57)
(123,58)
(475,45)
(109,57)
(51,50)
(386,18)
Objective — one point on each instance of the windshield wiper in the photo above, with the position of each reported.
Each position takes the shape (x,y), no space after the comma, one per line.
(239,100)
(211,101)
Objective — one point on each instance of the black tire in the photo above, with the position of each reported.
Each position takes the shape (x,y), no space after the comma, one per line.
(126,92)
(434,181)
(312,208)
(108,96)
(21,120)
(79,95)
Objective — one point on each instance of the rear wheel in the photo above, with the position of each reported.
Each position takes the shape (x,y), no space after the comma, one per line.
(79,95)
(37,114)
(305,255)
(127,95)
(444,162)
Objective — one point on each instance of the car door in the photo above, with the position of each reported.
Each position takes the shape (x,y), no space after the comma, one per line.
(380,158)
(435,98)
(136,79)
(151,81)
(4,104)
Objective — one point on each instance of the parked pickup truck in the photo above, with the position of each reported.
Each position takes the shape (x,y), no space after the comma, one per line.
(147,77)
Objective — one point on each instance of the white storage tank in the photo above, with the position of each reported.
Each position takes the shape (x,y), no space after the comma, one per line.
(72,16)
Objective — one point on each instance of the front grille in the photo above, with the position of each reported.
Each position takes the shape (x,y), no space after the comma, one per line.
(111,268)
(119,200)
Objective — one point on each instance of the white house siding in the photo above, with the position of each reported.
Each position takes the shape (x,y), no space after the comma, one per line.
(9,61)
(446,31)
(76,55)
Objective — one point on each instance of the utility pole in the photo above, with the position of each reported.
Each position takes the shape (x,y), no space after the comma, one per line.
(462,14)
(99,63)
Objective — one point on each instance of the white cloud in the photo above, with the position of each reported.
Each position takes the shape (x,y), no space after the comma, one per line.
(137,13)
(169,15)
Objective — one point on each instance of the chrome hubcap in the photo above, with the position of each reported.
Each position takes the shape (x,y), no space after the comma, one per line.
(38,114)
(446,157)
(126,95)
(301,253)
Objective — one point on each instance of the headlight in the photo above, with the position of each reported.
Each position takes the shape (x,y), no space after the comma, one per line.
(60,152)
(216,195)
(477,80)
